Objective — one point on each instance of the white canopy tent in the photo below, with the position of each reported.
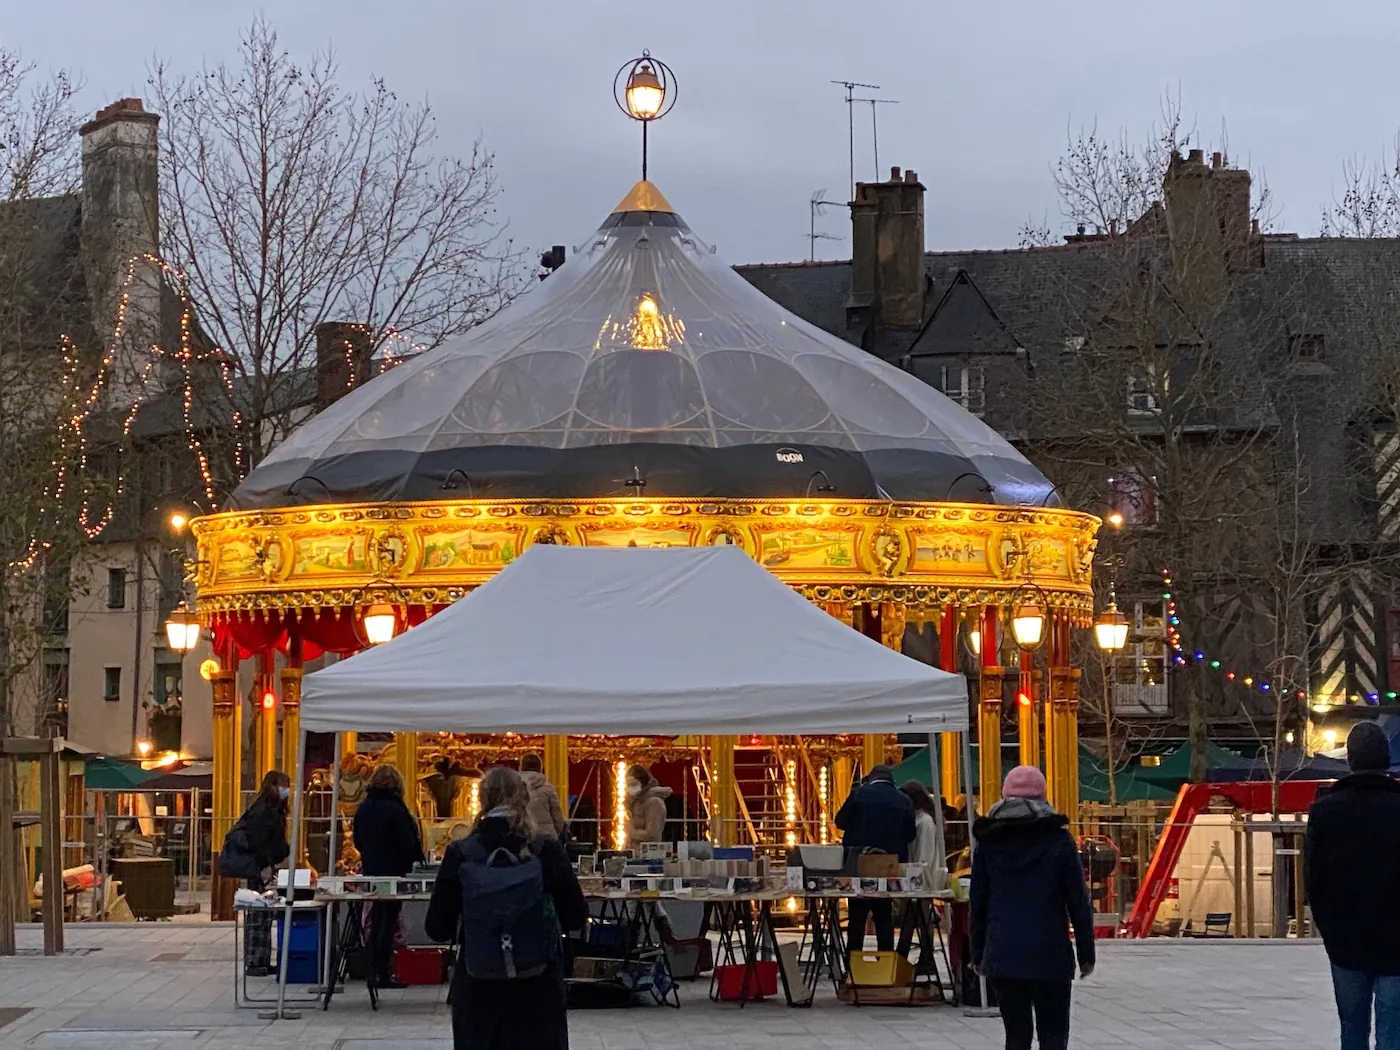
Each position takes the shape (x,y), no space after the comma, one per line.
(634,642)
(628,642)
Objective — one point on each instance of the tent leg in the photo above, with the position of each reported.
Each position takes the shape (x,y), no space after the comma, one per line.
(293,857)
(935,778)
(984,1010)
(332,846)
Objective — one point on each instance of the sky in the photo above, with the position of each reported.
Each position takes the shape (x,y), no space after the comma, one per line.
(985,92)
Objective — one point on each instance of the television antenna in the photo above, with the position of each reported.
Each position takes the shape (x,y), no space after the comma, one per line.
(850,86)
(875,126)
(816,206)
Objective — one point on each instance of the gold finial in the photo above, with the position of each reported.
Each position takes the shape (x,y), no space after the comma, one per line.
(644,196)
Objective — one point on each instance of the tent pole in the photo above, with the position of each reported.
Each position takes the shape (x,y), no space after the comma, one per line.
(331,856)
(935,779)
(972,800)
(292,860)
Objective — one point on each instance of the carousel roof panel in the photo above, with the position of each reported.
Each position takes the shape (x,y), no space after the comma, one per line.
(643,358)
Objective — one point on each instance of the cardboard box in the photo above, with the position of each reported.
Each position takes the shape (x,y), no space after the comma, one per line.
(589,968)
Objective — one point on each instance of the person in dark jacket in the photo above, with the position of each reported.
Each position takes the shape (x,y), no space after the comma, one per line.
(386,836)
(527,1013)
(1351,863)
(264,828)
(1028,889)
(877,818)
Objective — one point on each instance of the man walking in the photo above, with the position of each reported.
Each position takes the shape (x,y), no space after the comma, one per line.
(876,818)
(1352,867)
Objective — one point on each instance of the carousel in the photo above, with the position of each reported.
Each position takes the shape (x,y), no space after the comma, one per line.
(646,395)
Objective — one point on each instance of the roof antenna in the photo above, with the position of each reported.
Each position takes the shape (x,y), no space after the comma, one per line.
(816,205)
(875,126)
(850,86)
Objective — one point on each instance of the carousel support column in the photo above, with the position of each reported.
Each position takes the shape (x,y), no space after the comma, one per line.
(950,759)
(883,622)
(291,703)
(228,766)
(989,712)
(842,769)
(265,738)
(406,762)
(723,802)
(1027,717)
(1064,695)
(556,766)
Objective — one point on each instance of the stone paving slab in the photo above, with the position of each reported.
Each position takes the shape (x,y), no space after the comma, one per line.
(126,991)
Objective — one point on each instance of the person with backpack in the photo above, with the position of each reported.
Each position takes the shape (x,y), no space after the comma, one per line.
(509,892)
(253,847)
(386,836)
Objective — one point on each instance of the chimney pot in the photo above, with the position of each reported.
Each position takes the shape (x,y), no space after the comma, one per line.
(1215,160)
(911,176)
(1254,227)
(894,174)
(1197,156)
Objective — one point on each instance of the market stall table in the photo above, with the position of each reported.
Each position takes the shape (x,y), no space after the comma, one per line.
(346,937)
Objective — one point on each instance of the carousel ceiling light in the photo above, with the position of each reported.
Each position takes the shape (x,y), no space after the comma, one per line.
(1028,616)
(645,90)
(974,641)
(182,629)
(381,623)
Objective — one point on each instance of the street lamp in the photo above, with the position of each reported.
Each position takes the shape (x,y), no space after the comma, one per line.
(1111,628)
(182,629)
(1028,616)
(645,90)
(380,621)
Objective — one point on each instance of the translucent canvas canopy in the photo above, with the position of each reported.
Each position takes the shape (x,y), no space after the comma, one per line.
(644,366)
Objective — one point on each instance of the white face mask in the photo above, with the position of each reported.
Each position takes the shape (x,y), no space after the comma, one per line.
(633,789)
(283,792)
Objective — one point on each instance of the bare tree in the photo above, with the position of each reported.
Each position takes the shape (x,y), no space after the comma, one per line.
(290,200)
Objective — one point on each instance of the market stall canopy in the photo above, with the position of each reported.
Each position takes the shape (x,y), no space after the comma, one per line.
(644,366)
(101,773)
(633,642)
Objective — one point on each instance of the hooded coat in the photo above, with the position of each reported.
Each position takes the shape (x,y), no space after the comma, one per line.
(646,814)
(386,834)
(1028,889)
(544,805)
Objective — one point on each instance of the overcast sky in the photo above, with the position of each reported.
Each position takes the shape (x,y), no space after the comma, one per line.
(986,92)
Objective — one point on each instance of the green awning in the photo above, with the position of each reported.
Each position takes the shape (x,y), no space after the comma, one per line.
(112,774)
(1175,769)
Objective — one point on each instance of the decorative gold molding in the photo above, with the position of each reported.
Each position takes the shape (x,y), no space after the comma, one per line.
(918,555)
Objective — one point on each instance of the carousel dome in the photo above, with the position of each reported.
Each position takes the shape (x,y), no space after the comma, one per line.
(644,366)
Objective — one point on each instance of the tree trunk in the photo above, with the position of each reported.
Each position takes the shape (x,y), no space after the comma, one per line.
(1197,737)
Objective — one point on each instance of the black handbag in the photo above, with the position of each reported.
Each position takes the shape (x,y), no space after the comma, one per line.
(236,859)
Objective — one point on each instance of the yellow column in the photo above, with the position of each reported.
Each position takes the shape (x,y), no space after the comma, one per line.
(989,713)
(406,762)
(265,732)
(1027,714)
(227,777)
(349,744)
(291,717)
(556,766)
(723,801)
(1064,702)
(950,765)
(842,774)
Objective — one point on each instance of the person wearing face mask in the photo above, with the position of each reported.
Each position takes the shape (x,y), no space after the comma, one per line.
(646,807)
(254,846)
(386,836)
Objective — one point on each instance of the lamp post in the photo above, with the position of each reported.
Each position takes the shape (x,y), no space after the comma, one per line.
(645,90)
(1028,616)
(1110,635)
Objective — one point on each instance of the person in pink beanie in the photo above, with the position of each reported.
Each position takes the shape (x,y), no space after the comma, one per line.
(1028,889)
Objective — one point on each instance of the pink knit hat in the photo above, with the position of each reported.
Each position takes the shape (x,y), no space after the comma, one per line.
(1024,782)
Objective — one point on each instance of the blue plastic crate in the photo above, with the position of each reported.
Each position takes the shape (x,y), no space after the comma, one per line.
(303,968)
(305,936)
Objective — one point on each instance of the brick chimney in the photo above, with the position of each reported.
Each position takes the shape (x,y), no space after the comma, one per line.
(343,360)
(1208,212)
(121,222)
(887,250)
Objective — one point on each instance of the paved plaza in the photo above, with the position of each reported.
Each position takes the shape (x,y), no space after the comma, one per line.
(169,986)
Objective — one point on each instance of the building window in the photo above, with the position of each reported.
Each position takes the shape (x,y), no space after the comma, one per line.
(965,384)
(116,588)
(1307,347)
(1133,495)
(111,683)
(55,687)
(1140,669)
(1143,391)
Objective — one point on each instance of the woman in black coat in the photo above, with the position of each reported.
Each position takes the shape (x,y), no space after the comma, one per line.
(386,836)
(526,1013)
(1028,889)
(264,824)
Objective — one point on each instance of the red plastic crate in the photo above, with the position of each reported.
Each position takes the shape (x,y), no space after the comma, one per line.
(762,981)
(418,965)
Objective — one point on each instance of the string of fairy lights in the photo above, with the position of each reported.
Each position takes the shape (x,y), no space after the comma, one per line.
(1181,656)
(87,399)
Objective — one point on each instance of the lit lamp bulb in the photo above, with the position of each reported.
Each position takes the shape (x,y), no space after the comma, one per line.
(1111,629)
(1329,737)
(381,623)
(1028,626)
(178,522)
(974,641)
(645,95)
(182,629)
(143,747)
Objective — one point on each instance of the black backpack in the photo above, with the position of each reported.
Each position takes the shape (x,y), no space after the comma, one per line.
(237,859)
(509,929)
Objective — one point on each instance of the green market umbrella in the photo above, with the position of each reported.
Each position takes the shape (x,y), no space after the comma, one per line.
(112,774)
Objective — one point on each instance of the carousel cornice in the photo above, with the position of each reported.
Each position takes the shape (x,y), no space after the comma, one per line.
(919,555)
